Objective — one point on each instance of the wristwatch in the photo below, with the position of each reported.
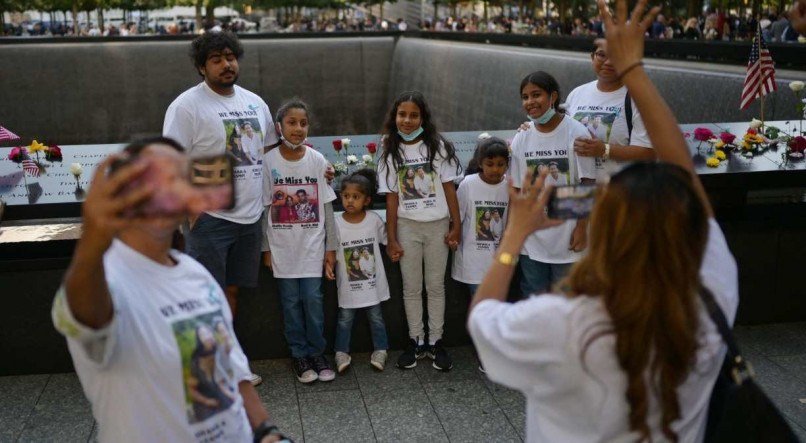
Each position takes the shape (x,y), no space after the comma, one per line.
(264,429)
(606,155)
(505,258)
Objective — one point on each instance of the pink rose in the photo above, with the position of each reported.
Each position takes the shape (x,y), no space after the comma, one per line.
(727,137)
(703,134)
(18,154)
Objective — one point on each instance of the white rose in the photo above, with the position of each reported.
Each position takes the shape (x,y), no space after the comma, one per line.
(345,143)
(713,140)
(367,158)
(797,85)
(484,136)
(76,169)
(755,123)
(351,159)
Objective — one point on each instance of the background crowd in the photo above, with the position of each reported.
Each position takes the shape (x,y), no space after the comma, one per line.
(718,21)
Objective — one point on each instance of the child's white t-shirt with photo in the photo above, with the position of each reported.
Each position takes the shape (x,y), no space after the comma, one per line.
(207,124)
(602,114)
(417,184)
(360,272)
(483,211)
(295,193)
(168,366)
(553,151)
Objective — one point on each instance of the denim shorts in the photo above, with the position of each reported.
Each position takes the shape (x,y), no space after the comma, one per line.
(229,250)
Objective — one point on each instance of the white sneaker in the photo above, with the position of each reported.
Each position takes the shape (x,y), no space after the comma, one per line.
(378,360)
(343,361)
(255,379)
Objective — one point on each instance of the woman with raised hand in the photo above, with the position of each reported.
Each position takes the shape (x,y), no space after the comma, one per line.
(626,351)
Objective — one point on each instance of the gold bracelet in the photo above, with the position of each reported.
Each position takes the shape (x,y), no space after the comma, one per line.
(505,258)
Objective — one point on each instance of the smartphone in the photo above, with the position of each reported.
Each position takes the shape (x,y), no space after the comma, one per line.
(571,202)
(202,184)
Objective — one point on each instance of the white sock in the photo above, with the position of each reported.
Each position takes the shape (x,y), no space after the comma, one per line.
(419,341)
(432,342)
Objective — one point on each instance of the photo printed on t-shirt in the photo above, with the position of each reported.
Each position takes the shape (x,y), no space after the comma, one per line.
(598,121)
(417,181)
(360,262)
(557,167)
(244,140)
(489,222)
(293,204)
(205,343)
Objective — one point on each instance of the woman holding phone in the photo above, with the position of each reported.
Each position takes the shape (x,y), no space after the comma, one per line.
(626,352)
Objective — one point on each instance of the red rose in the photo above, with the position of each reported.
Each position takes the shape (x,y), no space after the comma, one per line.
(727,137)
(752,131)
(337,145)
(53,154)
(18,154)
(798,144)
(703,134)
(372,147)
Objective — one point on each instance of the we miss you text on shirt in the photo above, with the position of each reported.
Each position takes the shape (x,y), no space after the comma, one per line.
(557,152)
(294,180)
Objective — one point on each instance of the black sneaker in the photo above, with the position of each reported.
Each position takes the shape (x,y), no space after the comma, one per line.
(304,371)
(322,367)
(408,359)
(442,360)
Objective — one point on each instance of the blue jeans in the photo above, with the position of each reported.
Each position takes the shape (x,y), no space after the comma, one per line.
(538,277)
(376,326)
(303,315)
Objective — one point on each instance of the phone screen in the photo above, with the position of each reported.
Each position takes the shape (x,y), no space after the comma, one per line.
(202,184)
(571,202)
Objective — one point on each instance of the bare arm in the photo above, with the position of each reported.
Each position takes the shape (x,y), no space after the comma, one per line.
(587,147)
(393,246)
(102,215)
(454,236)
(625,43)
(255,410)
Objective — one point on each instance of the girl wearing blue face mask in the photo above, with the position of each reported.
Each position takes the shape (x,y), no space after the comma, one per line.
(548,144)
(416,171)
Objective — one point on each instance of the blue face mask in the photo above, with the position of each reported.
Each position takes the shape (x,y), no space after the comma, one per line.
(543,119)
(410,137)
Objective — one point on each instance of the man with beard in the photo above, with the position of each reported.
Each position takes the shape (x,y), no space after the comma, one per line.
(202,119)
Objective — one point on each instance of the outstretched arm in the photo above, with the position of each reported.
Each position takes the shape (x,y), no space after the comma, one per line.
(625,45)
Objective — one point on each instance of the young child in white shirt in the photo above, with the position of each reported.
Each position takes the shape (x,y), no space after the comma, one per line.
(482,193)
(299,223)
(359,234)
(416,172)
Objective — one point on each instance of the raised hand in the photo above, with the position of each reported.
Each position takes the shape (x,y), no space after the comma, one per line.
(625,39)
(527,206)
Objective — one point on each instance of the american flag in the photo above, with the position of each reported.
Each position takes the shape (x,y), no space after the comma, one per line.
(5,134)
(30,167)
(760,79)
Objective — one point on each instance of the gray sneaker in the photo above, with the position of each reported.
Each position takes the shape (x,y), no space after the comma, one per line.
(343,361)
(378,360)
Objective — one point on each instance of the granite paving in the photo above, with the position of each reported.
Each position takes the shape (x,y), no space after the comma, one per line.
(366,405)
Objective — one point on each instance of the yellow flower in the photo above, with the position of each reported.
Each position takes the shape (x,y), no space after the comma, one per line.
(720,155)
(746,146)
(719,145)
(712,162)
(758,139)
(36,147)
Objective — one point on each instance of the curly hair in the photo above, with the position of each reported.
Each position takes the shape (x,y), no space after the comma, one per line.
(203,45)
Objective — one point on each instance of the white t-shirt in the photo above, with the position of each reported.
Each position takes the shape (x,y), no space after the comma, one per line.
(208,124)
(169,348)
(483,211)
(535,345)
(531,149)
(419,188)
(361,276)
(603,115)
(296,193)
